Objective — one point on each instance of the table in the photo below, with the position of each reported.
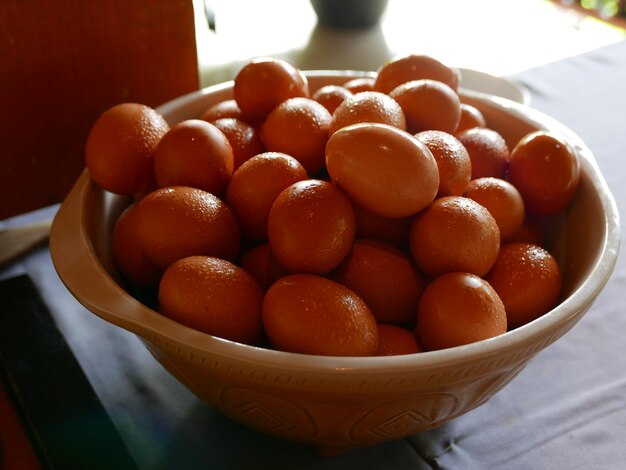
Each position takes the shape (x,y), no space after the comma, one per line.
(566,409)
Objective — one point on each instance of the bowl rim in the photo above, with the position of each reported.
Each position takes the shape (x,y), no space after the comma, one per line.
(108,299)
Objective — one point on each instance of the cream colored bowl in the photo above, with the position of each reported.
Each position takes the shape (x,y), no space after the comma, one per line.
(338,403)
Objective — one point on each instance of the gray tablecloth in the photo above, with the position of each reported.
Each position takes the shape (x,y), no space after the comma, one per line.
(567,409)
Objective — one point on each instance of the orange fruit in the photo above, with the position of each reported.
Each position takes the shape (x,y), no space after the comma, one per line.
(368,106)
(382,168)
(261,263)
(528,280)
(402,69)
(487,150)
(221,110)
(179,221)
(453,161)
(214,296)
(128,254)
(264,83)
(502,200)
(428,105)
(311,227)
(254,187)
(309,314)
(194,153)
(391,230)
(545,170)
(394,340)
(331,96)
(385,277)
(298,127)
(459,308)
(120,148)
(454,233)
(470,117)
(244,139)
(360,84)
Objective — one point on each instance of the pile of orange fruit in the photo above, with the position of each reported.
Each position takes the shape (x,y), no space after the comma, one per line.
(382,216)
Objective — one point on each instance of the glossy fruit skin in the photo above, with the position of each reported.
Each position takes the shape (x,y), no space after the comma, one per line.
(120,148)
(382,168)
(470,117)
(255,186)
(222,110)
(385,277)
(128,254)
(298,127)
(214,296)
(454,234)
(179,221)
(194,153)
(545,170)
(528,280)
(488,152)
(502,200)
(428,105)
(360,84)
(244,139)
(459,308)
(310,314)
(311,227)
(394,340)
(453,161)
(368,106)
(331,96)
(264,83)
(402,69)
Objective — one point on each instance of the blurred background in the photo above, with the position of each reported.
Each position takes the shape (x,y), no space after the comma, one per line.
(493,36)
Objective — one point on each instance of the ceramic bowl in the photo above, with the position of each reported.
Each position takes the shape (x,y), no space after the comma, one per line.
(338,403)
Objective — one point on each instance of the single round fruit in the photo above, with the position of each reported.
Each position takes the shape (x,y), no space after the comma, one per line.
(453,161)
(382,168)
(470,117)
(128,254)
(309,314)
(194,153)
(368,106)
(428,105)
(221,110)
(120,148)
(385,277)
(213,296)
(459,308)
(528,280)
(488,152)
(402,69)
(179,221)
(331,96)
(502,200)
(264,83)
(298,127)
(360,84)
(454,233)
(545,170)
(311,227)
(261,263)
(394,340)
